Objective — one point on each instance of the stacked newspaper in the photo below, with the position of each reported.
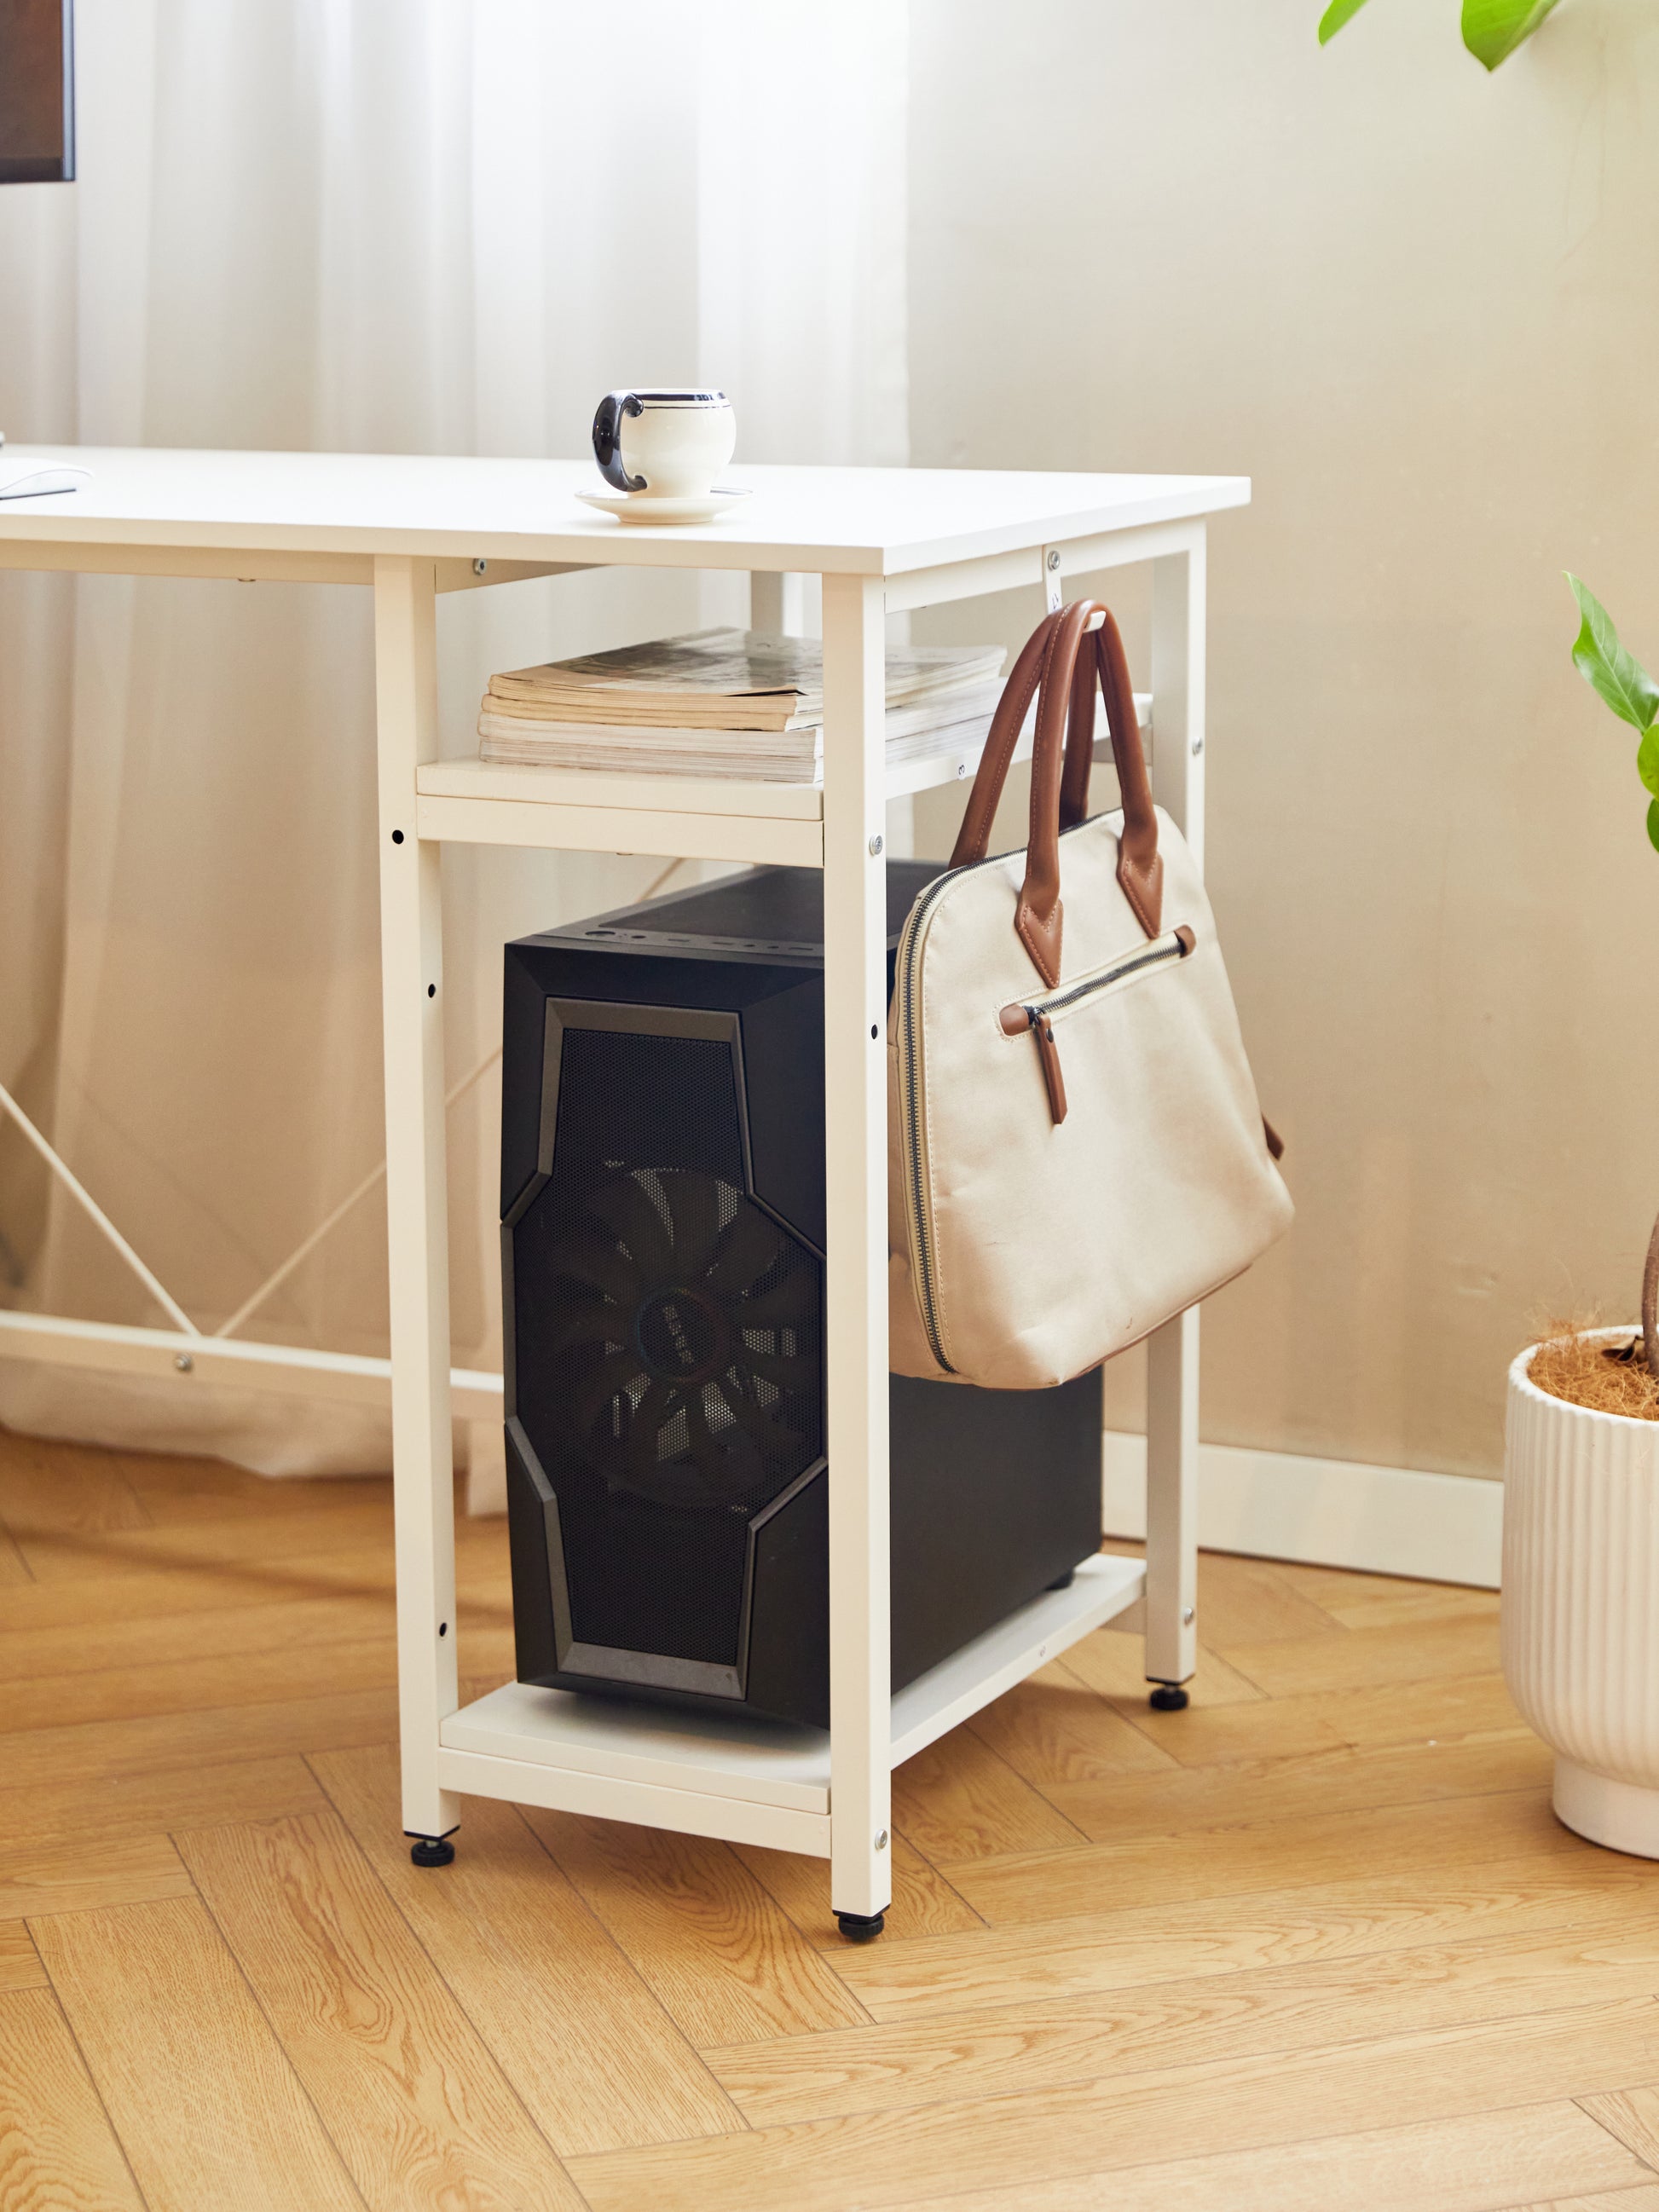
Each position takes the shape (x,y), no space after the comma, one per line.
(725,702)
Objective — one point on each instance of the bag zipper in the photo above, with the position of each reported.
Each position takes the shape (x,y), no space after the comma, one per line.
(922,1258)
(1175,945)
(1038,1014)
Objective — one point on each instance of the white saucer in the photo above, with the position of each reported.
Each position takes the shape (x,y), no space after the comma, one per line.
(642,506)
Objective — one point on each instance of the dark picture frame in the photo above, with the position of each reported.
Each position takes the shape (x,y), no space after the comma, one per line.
(37,92)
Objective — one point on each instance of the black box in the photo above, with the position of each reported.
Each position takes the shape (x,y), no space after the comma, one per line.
(663,1237)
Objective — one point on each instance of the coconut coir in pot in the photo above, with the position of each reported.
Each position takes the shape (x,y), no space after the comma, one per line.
(1604,1377)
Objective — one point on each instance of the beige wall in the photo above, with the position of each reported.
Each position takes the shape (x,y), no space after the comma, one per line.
(1421,306)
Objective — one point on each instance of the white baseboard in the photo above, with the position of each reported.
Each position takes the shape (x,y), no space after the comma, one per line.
(1325,1512)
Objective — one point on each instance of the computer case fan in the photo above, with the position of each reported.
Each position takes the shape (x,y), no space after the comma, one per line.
(663,1237)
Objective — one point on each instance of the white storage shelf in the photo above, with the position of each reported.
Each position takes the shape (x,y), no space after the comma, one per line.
(680,816)
(761,1782)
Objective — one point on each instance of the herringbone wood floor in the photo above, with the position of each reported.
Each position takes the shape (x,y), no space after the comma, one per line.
(1315,1942)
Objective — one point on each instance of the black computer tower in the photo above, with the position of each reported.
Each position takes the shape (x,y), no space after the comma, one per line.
(663,1238)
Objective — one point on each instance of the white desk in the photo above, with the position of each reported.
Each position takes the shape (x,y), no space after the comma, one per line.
(883,540)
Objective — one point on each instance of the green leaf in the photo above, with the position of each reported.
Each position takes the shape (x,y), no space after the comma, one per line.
(1647,760)
(1617,676)
(1492,29)
(1338,13)
(1653,825)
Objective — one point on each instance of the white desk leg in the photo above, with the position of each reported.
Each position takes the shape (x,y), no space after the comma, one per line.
(411,983)
(855,1118)
(1172,1352)
(776,602)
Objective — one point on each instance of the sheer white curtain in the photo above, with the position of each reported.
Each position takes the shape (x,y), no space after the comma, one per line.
(401,225)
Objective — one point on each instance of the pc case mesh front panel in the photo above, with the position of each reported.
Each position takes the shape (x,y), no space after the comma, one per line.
(668,1344)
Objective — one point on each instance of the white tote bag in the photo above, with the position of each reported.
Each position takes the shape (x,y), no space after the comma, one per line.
(1075,1150)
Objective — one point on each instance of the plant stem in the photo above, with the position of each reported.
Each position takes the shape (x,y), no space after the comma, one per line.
(1651,1304)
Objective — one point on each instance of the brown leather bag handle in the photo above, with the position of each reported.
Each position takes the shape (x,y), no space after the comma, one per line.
(1064,678)
(1004,735)
(1140,865)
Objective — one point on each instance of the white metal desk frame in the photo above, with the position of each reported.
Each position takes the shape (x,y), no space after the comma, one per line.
(771,1787)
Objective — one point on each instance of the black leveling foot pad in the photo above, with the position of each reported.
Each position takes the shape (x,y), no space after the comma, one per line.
(1167,1697)
(432,1851)
(860,1927)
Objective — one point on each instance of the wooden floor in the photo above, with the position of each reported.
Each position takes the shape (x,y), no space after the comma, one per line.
(1315,1942)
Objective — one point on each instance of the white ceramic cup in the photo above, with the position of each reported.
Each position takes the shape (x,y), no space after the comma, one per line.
(667,445)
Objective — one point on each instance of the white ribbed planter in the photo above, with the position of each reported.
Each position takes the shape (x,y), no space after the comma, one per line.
(1581,1604)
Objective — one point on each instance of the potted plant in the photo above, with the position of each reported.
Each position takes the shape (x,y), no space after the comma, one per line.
(1581,1499)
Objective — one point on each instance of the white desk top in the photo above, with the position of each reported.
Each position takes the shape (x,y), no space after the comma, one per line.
(855,521)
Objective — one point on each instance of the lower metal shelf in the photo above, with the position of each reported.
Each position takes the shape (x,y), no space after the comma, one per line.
(749,1780)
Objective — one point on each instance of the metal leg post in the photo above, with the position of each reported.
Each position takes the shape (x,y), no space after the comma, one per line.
(1178,580)
(856,1117)
(776,602)
(411,949)
(1172,1508)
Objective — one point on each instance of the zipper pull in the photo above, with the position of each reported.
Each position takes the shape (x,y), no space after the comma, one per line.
(1017,1015)
(1049,1053)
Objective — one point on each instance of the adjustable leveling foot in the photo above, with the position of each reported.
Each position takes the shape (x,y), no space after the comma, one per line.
(1167,1697)
(860,1927)
(431,1850)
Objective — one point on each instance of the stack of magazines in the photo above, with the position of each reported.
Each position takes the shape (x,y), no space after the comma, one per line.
(726,702)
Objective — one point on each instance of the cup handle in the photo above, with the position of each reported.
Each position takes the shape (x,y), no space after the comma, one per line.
(607,439)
